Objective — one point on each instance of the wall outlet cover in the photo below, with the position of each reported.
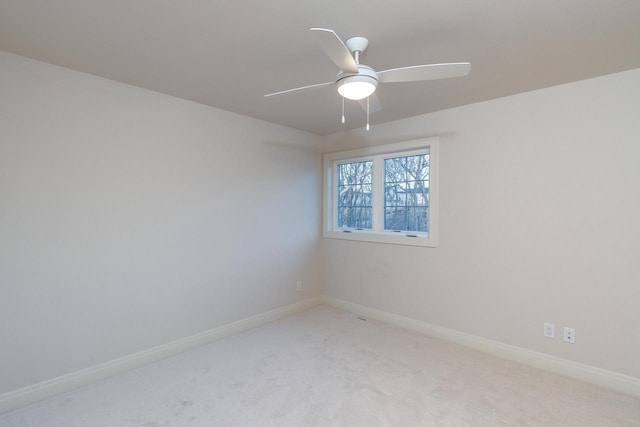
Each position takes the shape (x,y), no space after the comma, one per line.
(549,330)
(569,335)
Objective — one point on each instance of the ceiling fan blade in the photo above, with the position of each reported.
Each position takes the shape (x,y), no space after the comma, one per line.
(299,88)
(374,104)
(424,72)
(335,49)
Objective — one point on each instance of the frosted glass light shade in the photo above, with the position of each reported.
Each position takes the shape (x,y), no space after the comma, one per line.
(357,87)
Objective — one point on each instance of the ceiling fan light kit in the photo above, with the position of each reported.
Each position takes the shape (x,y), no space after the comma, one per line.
(358,86)
(357,81)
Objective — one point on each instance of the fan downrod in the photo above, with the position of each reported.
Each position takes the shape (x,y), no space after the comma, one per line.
(357,45)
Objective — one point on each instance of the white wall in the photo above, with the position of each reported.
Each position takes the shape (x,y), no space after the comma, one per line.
(539,222)
(129,219)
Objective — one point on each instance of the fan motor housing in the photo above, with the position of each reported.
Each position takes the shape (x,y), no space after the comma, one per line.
(363,70)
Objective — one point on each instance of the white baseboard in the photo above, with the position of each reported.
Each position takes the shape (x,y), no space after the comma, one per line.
(579,371)
(43,390)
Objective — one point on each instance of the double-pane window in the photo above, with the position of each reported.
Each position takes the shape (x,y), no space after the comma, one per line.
(386,194)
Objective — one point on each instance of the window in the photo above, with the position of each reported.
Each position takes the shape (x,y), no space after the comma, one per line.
(354,194)
(406,193)
(385,194)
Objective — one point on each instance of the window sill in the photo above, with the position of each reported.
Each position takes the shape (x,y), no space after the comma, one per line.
(385,238)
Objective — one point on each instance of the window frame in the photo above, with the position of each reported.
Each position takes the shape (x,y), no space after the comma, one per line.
(378,234)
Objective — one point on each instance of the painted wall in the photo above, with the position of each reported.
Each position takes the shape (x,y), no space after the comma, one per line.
(539,222)
(130,219)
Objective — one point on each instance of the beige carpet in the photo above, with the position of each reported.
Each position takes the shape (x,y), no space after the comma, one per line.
(324,367)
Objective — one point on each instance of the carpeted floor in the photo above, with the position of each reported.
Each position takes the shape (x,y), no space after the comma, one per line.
(324,367)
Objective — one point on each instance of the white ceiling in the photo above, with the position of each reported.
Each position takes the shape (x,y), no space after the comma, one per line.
(228,54)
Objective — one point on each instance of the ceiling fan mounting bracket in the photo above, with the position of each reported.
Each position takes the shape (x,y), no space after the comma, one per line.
(357,44)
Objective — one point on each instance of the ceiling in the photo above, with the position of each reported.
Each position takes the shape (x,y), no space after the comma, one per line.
(228,54)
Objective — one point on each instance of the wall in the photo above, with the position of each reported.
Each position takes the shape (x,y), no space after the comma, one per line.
(129,219)
(539,202)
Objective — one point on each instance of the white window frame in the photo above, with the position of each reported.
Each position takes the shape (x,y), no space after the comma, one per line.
(378,235)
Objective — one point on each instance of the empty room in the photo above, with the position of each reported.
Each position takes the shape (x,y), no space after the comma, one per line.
(342,213)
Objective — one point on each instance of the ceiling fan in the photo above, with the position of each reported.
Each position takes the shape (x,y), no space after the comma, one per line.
(357,81)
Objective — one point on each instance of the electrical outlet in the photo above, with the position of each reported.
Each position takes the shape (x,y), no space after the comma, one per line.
(569,335)
(299,285)
(549,330)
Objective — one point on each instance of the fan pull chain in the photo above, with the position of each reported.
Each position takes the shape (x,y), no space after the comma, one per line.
(367,113)
(343,110)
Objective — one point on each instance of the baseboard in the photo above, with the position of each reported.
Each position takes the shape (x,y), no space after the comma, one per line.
(43,390)
(579,371)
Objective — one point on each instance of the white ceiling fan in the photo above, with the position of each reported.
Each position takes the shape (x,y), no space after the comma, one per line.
(357,81)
